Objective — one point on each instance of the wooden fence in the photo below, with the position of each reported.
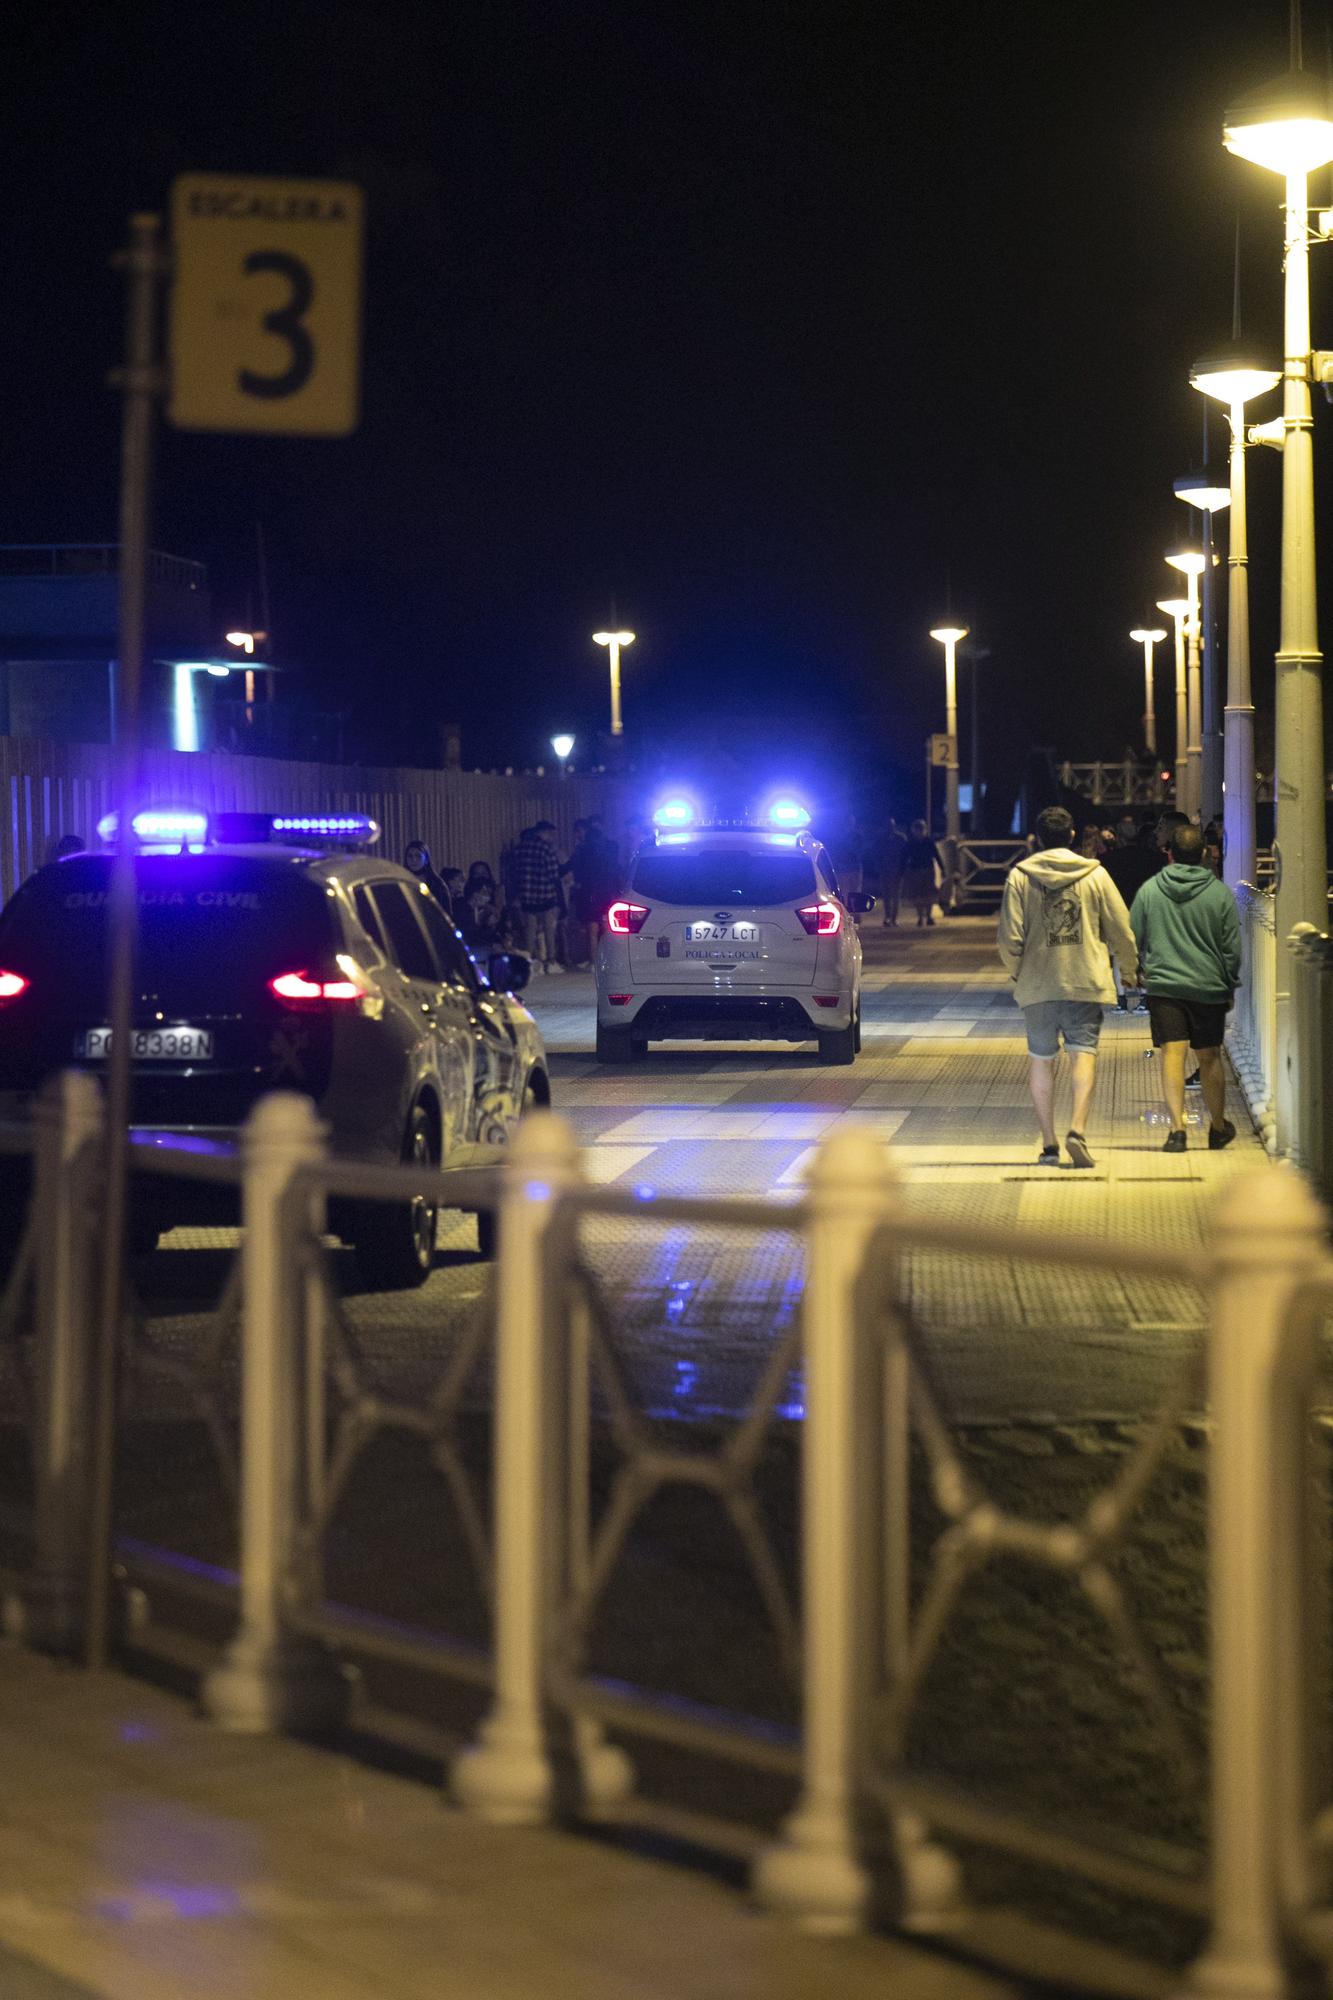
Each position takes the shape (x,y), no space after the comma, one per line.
(47,789)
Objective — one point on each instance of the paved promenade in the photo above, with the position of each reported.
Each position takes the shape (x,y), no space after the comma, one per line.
(146,1856)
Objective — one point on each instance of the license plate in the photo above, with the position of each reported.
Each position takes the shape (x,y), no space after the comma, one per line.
(151,1044)
(721,933)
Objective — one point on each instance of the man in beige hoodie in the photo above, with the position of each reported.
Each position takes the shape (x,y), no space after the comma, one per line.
(1061,918)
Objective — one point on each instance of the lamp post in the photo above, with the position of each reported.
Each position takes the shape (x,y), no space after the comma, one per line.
(1233,378)
(1149,639)
(614,641)
(948,636)
(1177,610)
(1200,489)
(562,745)
(1286,126)
(1190,563)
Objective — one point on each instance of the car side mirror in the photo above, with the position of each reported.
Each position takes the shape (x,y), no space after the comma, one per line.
(509,971)
(859,903)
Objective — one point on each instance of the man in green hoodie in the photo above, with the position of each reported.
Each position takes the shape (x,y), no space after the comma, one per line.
(1189,956)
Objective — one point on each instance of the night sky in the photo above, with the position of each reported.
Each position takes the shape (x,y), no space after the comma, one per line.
(765,327)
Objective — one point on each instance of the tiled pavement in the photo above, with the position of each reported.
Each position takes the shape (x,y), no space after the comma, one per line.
(147,1856)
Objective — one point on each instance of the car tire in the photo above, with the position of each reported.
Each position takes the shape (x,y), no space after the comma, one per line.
(837,1045)
(395,1242)
(856,1030)
(616,1045)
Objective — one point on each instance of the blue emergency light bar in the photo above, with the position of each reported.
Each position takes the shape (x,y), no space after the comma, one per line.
(159,826)
(356,828)
(675,812)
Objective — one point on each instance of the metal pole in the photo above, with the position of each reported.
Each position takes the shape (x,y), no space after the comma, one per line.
(617,727)
(1182,728)
(1149,699)
(975,773)
(1238,720)
(951,726)
(1299,842)
(1194,706)
(1210,772)
(141,382)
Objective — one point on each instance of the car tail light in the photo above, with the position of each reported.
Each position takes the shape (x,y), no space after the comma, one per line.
(826,999)
(626,919)
(620,999)
(821,919)
(12,984)
(300,990)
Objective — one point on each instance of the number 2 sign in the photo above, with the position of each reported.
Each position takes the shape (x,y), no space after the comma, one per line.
(265,325)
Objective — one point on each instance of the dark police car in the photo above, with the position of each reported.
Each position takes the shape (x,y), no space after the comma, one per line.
(276,959)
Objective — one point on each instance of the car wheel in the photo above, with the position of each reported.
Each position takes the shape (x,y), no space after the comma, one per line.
(837,1045)
(615,1045)
(395,1243)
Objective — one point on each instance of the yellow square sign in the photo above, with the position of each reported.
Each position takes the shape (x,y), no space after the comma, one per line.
(265,330)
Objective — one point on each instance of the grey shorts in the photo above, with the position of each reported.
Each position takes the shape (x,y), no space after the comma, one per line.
(1079,1022)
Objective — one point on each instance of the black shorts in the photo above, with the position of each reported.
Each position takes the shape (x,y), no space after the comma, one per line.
(1201,1023)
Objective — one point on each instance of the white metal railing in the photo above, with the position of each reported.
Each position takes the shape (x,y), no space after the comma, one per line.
(981,869)
(1125,782)
(866,1629)
(1252,1030)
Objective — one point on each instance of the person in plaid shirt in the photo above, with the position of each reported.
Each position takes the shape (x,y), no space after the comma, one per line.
(537,892)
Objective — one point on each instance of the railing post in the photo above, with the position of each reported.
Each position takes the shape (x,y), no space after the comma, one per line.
(270,1678)
(816,1871)
(1268,1242)
(68,1131)
(509,1775)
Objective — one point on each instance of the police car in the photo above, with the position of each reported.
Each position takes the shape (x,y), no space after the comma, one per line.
(276,953)
(731,930)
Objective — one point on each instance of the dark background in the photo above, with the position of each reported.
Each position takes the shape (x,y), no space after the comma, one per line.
(773,327)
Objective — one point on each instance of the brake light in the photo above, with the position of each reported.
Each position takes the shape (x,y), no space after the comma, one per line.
(626,919)
(620,999)
(12,984)
(298,988)
(821,919)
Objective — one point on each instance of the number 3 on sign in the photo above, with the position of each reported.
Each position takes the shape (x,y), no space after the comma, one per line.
(265,305)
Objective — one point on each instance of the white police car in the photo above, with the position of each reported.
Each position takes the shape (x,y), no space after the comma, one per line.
(275,954)
(730,931)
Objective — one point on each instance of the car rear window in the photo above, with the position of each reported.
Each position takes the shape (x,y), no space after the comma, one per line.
(213,929)
(723,875)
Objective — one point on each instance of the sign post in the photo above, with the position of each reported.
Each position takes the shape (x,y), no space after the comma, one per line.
(265,335)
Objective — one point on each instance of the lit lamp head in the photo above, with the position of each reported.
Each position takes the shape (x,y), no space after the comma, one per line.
(1201,490)
(1285,125)
(1174,607)
(1190,562)
(1233,374)
(1145,636)
(613,638)
(562,745)
(949,635)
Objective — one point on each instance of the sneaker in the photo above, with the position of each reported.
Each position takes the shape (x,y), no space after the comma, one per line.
(1174,1142)
(1077,1148)
(1220,1135)
(1049,1156)
(1194,1082)
(552,967)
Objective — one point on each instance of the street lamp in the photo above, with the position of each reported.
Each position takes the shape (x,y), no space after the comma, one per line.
(948,636)
(614,640)
(1148,639)
(1201,490)
(562,745)
(1177,610)
(1286,126)
(1190,563)
(1233,378)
